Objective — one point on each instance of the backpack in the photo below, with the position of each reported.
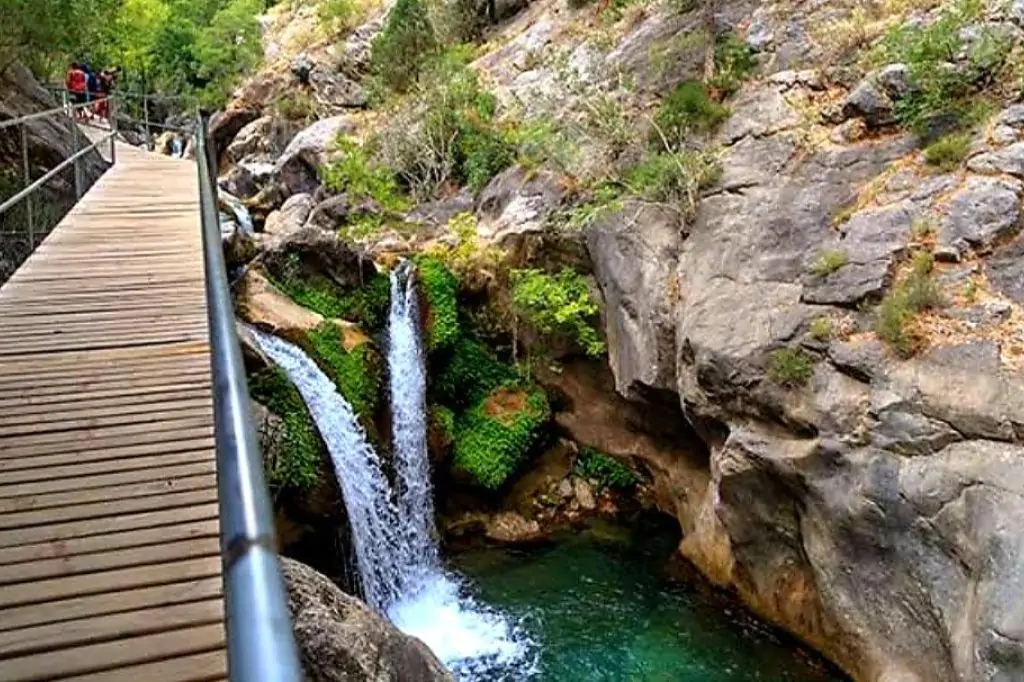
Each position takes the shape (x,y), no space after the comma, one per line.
(93,83)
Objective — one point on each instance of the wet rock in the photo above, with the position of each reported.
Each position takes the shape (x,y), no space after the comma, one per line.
(511,527)
(341,639)
(584,494)
(1005,270)
(225,126)
(263,305)
(321,253)
(983,210)
(329,213)
(634,252)
(291,217)
(297,168)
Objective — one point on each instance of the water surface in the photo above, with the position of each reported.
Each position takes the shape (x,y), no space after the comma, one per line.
(600,608)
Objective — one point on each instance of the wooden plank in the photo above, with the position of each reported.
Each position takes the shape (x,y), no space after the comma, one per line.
(186,426)
(83,471)
(105,561)
(117,509)
(187,509)
(108,581)
(61,549)
(167,414)
(115,394)
(130,400)
(112,477)
(108,655)
(102,456)
(205,667)
(63,610)
(53,636)
(53,502)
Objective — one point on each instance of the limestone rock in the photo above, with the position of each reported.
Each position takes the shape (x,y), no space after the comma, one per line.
(335,91)
(262,304)
(518,202)
(266,138)
(1008,160)
(291,217)
(584,494)
(329,213)
(983,210)
(298,166)
(511,527)
(634,251)
(225,126)
(321,253)
(341,640)
(1005,270)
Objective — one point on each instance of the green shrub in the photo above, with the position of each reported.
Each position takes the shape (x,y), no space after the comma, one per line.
(298,467)
(367,305)
(735,61)
(337,16)
(686,110)
(941,93)
(790,367)
(407,41)
(674,178)
(608,471)
(821,329)
(470,374)
(828,262)
(295,105)
(360,178)
(355,372)
(898,310)
(947,153)
(558,304)
(456,22)
(494,437)
(441,290)
(605,198)
(446,134)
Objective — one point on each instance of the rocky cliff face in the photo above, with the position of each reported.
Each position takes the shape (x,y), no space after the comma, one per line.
(856,483)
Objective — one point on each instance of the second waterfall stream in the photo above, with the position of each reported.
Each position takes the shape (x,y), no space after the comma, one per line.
(397,556)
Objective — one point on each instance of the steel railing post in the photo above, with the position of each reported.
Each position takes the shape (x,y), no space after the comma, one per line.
(145,114)
(27,171)
(112,112)
(77,166)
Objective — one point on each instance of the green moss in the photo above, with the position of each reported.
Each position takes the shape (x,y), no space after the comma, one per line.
(441,290)
(298,466)
(605,469)
(445,419)
(821,329)
(366,305)
(558,304)
(494,437)
(356,373)
(790,367)
(470,374)
(947,153)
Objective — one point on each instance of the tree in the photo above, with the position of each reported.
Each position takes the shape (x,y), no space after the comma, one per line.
(47,34)
(404,44)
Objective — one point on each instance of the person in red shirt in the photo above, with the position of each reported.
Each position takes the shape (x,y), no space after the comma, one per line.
(77,84)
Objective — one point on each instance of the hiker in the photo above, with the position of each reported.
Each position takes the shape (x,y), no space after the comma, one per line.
(93,88)
(78,85)
(104,84)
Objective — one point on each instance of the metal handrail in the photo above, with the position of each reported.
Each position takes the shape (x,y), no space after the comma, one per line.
(261,644)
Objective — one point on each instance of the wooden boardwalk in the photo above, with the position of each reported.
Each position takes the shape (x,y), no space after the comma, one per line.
(109,558)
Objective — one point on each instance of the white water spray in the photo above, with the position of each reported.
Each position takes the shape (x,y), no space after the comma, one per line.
(396,554)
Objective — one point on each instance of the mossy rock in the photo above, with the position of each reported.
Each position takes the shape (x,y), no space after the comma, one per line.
(350,360)
(495,436)
(297,465)
(468,373)
(440,289)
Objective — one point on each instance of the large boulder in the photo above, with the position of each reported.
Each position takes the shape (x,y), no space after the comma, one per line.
(320,253)
(291,216)
(225,126)
(517,203)
(298,167)
(264,139)
(634,252)
(341,639)
(263,305)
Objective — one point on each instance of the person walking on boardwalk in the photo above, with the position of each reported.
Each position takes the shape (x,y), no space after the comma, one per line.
(77,84)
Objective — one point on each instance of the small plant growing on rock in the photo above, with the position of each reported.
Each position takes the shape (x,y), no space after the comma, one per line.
(790,367)
(356,174)
(298,465)
(557,304)
(828,262)
(735,61)
(355,372)
(440,289)
(295,105)
(947,153)
(608,471)
(674,178)
(471,373)
(686,110)
(923,229)
(898,310)
(821,329)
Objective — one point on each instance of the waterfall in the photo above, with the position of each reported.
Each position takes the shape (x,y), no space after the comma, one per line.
(408,390)
(242,217)
(397,557)
(366,490)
